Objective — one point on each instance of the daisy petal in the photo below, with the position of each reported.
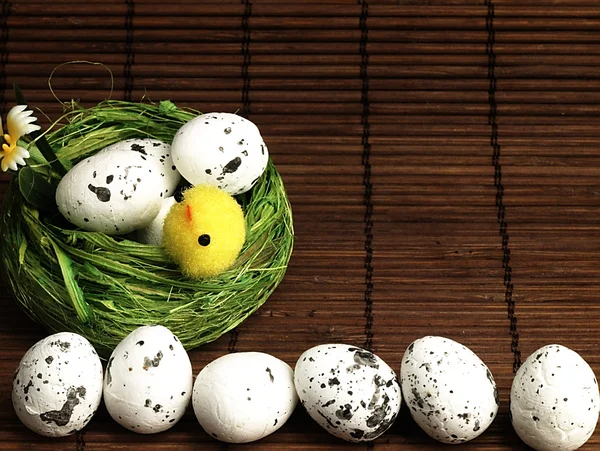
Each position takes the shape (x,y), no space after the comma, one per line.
(18,122)
(22,152)
(5,165)
(14,158)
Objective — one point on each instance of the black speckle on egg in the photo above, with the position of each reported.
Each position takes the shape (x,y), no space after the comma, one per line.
(140,343)
(137,148)
(108,367)
(344,412)
(363,357)
(227,130)
(27,387)
(103,194)
(327,420)
(357,434)
(333,382)
(271,377)
(232,166)
(63,416)
(328,403)
(109,179)
(154,362)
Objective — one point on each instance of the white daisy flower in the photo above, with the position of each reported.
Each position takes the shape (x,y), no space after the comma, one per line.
(18,122)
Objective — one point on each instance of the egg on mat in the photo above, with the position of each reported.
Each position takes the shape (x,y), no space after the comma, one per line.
(205,232)
(349,391)
(153,233)
(119,189)
(243,397)
(220,149)
(57,386)
(554,400)
(148,380)
(450,392)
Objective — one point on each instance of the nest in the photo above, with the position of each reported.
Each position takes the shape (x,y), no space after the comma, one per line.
(104,287)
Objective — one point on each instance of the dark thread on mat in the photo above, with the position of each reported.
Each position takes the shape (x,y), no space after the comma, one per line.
(368,187)
(129,54)
(492,120)
(80,440)
(235,335)
(5,12)
(247,58)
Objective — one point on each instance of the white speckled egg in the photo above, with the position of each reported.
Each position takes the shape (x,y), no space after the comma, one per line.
(450,392)
(57,387)
(554,400)
(220,149)
(154,232)
(120,189)
(349,391)
(148,380)
(243,397)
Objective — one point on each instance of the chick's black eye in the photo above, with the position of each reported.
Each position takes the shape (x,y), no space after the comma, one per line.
(204,240)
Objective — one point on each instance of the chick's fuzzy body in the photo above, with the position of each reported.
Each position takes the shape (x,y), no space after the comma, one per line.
(205,232)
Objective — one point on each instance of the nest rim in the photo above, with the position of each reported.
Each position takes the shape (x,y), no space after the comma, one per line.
(104,287)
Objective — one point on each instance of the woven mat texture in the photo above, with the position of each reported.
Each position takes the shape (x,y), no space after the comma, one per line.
(442,158)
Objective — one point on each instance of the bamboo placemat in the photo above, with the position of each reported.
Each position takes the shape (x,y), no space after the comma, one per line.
(441,158)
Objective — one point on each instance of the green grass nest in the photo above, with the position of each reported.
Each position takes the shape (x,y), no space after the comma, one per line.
(104,287)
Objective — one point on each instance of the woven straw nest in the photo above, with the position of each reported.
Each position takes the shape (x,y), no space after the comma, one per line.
(104,287)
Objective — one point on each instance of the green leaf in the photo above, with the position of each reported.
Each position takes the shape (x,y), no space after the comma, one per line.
(82,309)
(40,139)
(37,190)
(166,106)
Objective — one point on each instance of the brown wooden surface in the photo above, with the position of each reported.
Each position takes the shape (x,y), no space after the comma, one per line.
(440,76)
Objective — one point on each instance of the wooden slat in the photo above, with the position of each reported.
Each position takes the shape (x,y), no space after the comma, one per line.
(440,76)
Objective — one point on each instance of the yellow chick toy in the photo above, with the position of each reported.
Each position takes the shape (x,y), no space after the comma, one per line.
(205,232)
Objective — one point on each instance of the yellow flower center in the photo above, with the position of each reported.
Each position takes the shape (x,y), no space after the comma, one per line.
(9,145)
